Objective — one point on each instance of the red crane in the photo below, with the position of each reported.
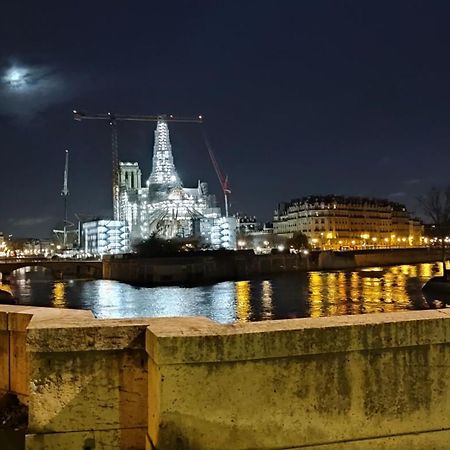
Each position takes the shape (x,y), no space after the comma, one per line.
(223,180)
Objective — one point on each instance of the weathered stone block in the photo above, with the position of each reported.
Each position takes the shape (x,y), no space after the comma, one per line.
(300,383)
(125,439)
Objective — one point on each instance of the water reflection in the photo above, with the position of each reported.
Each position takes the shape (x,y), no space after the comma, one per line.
(243,301)
(266,300)
(282,296)
(59,294)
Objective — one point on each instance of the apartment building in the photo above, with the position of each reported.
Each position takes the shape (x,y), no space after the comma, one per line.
(339,222)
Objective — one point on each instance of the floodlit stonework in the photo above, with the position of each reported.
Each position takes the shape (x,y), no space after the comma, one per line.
(164,207)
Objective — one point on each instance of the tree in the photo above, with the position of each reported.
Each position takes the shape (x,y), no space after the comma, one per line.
(155,246)
(298,241)
(436,206)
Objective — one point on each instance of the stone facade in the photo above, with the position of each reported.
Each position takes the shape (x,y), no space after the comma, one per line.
(337,222)
(165,207)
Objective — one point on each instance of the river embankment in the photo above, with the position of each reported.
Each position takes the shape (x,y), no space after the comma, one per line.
(209,267)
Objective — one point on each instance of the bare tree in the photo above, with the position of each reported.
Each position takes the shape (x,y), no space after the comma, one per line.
(436,206)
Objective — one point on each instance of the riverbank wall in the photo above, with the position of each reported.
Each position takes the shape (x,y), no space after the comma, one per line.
(213,267)
(370,258)
(367,382)
(198,268)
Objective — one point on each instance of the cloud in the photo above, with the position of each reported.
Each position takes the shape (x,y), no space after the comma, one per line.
(28,89)
(413,181)
(397,194)
(30,221)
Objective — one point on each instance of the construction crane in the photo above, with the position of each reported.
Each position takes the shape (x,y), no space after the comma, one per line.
(112,119)
(65,193)
(223,180)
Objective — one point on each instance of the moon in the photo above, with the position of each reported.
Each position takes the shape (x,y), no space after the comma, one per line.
(26,89)
(16,77)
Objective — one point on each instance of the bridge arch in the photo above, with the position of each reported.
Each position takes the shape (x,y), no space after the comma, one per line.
(59,268)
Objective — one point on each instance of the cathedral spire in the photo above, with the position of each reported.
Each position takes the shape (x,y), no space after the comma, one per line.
(164,174)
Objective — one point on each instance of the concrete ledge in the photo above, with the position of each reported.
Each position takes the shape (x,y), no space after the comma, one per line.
(430,440)
(306,383)
(125,439)
(86,378)
(14,354)
(194,340)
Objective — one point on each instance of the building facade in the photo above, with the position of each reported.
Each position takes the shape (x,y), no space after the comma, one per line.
(164,207)
(105,237)
(338,222)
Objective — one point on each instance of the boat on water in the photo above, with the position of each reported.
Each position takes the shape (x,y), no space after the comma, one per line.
(372,272)
(7,298)
(439,284)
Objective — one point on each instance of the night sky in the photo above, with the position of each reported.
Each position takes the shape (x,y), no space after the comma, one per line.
(318,97)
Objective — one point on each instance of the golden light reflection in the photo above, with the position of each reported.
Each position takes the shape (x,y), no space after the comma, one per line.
(266,300)
(375,289)
(315,294)
(243,300)
(330,309)
(354,288)
(59,294)
(426,271)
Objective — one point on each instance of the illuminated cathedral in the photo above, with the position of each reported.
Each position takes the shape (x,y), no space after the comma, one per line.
(164,207)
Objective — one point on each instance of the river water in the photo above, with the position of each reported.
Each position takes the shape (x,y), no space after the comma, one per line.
(283,296)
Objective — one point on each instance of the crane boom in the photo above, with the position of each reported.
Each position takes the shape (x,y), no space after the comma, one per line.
(65,193)
(65,189)
(78,115)
(223,180)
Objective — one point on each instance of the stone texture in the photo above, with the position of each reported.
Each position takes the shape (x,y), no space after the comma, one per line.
(373,382)
(18,356)
(125,439)
(300,383)
(431,440)
(87,377)
(4,361)
(88,390)
(188,340)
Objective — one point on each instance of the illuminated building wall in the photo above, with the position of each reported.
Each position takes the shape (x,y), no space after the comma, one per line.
(105,237)
(130,175)
(3,245)
(223,232)
(335,222)
(164,207)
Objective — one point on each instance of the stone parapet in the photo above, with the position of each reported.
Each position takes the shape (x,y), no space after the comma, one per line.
(368,382)
(363,382)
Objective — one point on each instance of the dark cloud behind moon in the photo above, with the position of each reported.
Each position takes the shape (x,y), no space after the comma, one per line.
(26,90)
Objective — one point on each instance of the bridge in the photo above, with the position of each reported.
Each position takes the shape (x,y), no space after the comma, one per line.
(58,267)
